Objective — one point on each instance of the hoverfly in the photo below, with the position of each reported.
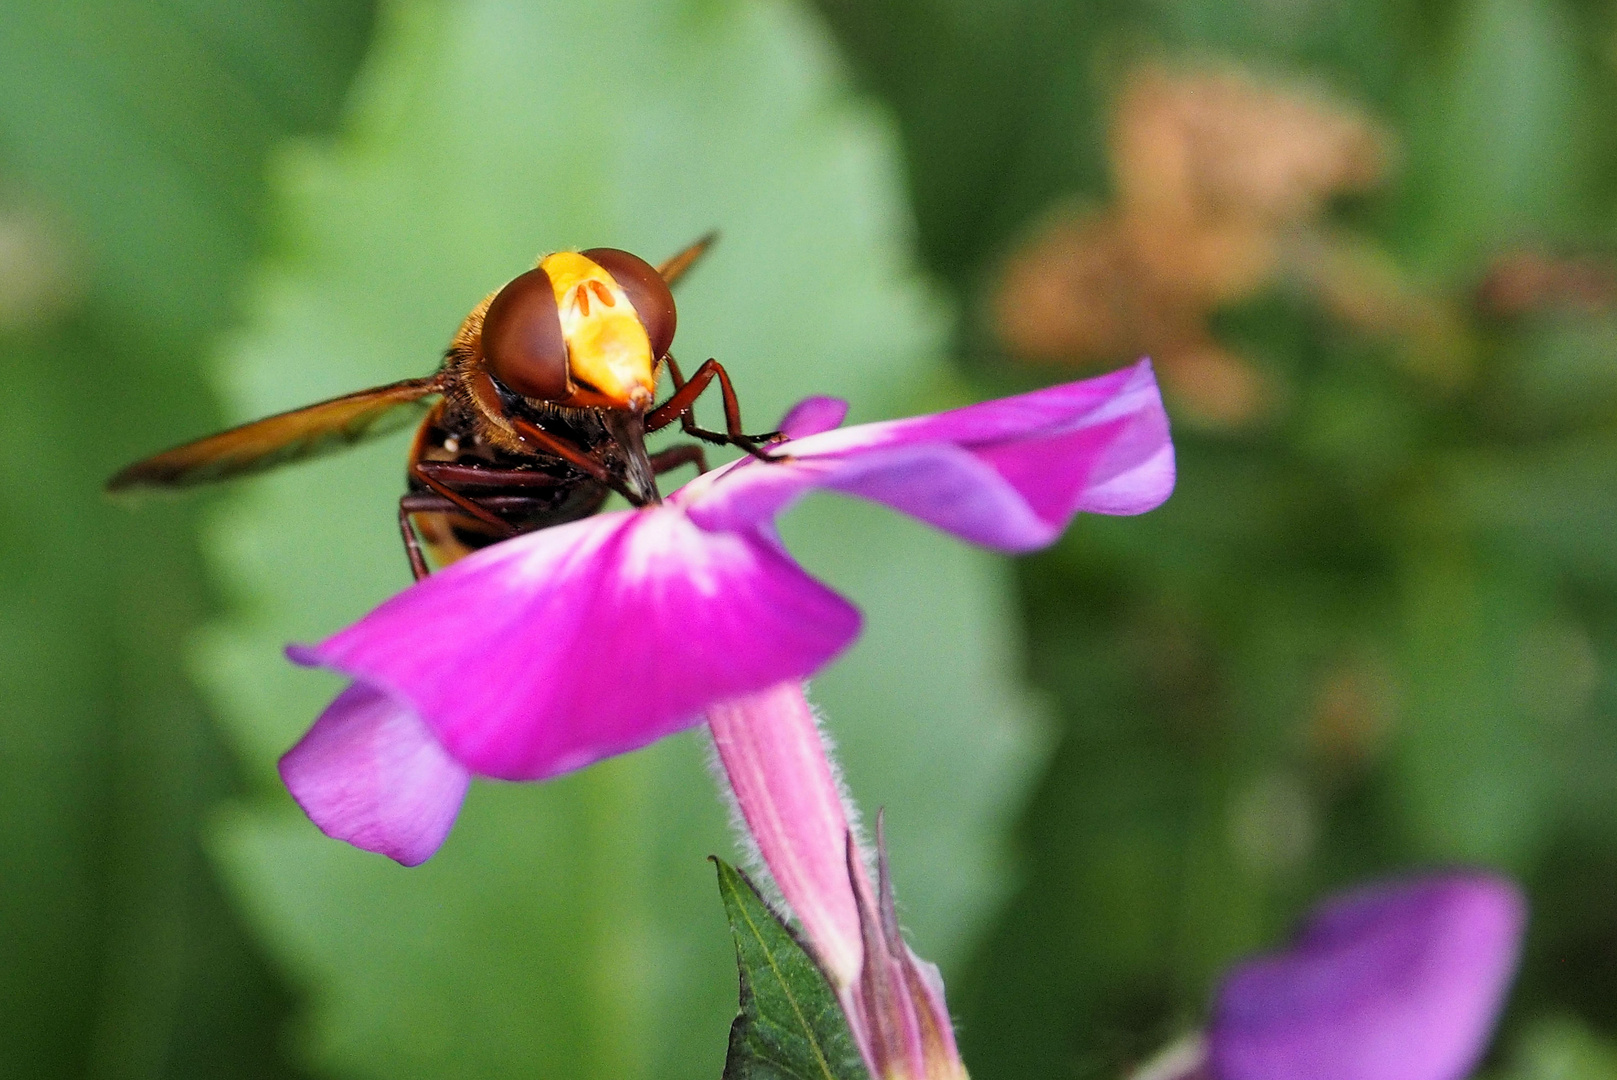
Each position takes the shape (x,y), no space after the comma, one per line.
(544,399)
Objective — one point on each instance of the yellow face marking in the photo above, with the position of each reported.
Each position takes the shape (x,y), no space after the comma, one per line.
(607,348)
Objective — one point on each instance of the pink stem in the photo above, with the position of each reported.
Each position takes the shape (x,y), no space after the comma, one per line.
(770,746)
(787,792)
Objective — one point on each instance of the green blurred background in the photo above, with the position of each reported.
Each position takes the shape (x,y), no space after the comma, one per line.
(1370,244)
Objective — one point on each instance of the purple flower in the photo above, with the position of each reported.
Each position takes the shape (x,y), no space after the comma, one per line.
(1396,981)
(560,647)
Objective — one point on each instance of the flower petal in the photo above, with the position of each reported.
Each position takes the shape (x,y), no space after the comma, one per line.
(1009,473)
(369,772)
(1398,981)
(555,649)
(813,415)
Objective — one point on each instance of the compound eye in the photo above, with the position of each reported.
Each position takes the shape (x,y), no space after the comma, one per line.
(647,291)
(522,339)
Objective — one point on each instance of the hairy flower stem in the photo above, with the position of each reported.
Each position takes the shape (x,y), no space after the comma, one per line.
(786,790)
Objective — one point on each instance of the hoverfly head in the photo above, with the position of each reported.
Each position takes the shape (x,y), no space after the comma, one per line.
(582,328)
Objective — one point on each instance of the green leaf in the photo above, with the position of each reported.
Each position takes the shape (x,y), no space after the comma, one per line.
(567,928)
(790,1026)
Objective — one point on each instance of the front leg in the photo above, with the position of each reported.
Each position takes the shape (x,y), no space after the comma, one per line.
(682,402)
(575,456)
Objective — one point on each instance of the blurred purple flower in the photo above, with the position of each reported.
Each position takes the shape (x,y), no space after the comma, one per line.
(1400,980)
(552,650)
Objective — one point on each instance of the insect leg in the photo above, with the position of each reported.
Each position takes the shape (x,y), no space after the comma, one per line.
(412,542)
(460,501)
(683,400)
(425,502)
(687,419)
(673,371)
(465,476)
(420,502)
(675,456)
(551,444)
(417,502)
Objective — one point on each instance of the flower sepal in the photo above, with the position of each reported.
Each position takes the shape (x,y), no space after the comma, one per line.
(897,1005)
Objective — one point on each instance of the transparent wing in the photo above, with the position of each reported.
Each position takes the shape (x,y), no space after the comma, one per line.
(286,437)
(672,269)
